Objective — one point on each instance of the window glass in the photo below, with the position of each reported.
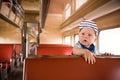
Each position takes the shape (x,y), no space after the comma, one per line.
(67,40)
(79,3)
(67,11)
(75,38)
(109,41)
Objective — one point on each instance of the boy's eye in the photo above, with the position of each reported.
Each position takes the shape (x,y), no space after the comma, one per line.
(83,33)
(89,35)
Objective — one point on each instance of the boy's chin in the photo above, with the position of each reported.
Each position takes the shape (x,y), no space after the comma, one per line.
(85,44)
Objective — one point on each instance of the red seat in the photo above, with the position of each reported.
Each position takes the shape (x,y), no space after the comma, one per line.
(54,49)
(18,48)
(74,68)
(6,53)
(18,54)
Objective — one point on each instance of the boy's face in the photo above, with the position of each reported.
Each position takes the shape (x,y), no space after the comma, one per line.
(87,36)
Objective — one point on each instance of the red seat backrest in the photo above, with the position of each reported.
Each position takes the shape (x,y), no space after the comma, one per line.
(54,49)
(71,69)
(6,52)
(18,48)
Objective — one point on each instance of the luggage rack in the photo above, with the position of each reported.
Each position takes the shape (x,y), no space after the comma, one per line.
(12,12)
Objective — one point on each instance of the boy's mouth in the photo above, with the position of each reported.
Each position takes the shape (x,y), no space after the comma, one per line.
(85,40)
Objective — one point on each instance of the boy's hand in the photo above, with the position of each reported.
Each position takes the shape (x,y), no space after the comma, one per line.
(106,54)
(89,57)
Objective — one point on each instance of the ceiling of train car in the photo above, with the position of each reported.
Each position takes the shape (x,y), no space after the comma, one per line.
(55,13)
(31,6)
(56,8)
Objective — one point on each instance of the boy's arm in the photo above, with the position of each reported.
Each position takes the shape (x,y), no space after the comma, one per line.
(79,51)
(88,56)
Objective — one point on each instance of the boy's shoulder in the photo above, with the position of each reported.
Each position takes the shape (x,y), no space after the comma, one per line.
(77,45)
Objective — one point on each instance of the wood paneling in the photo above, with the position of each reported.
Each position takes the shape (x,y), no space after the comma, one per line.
(109,21)
(82,11)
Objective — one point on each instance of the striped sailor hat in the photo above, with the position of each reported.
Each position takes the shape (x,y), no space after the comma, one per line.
(89,23)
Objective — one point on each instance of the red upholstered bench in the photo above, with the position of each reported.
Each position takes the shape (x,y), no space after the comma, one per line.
(18,48)
(6,53)
(54,49)
(71,68)
(18,54)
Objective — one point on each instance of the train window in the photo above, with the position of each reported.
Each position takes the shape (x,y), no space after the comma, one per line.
(67,11)
(67,40)
(109,41)
(75,38)
(79,3)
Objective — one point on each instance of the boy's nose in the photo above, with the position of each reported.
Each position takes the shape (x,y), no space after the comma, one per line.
(85,36)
